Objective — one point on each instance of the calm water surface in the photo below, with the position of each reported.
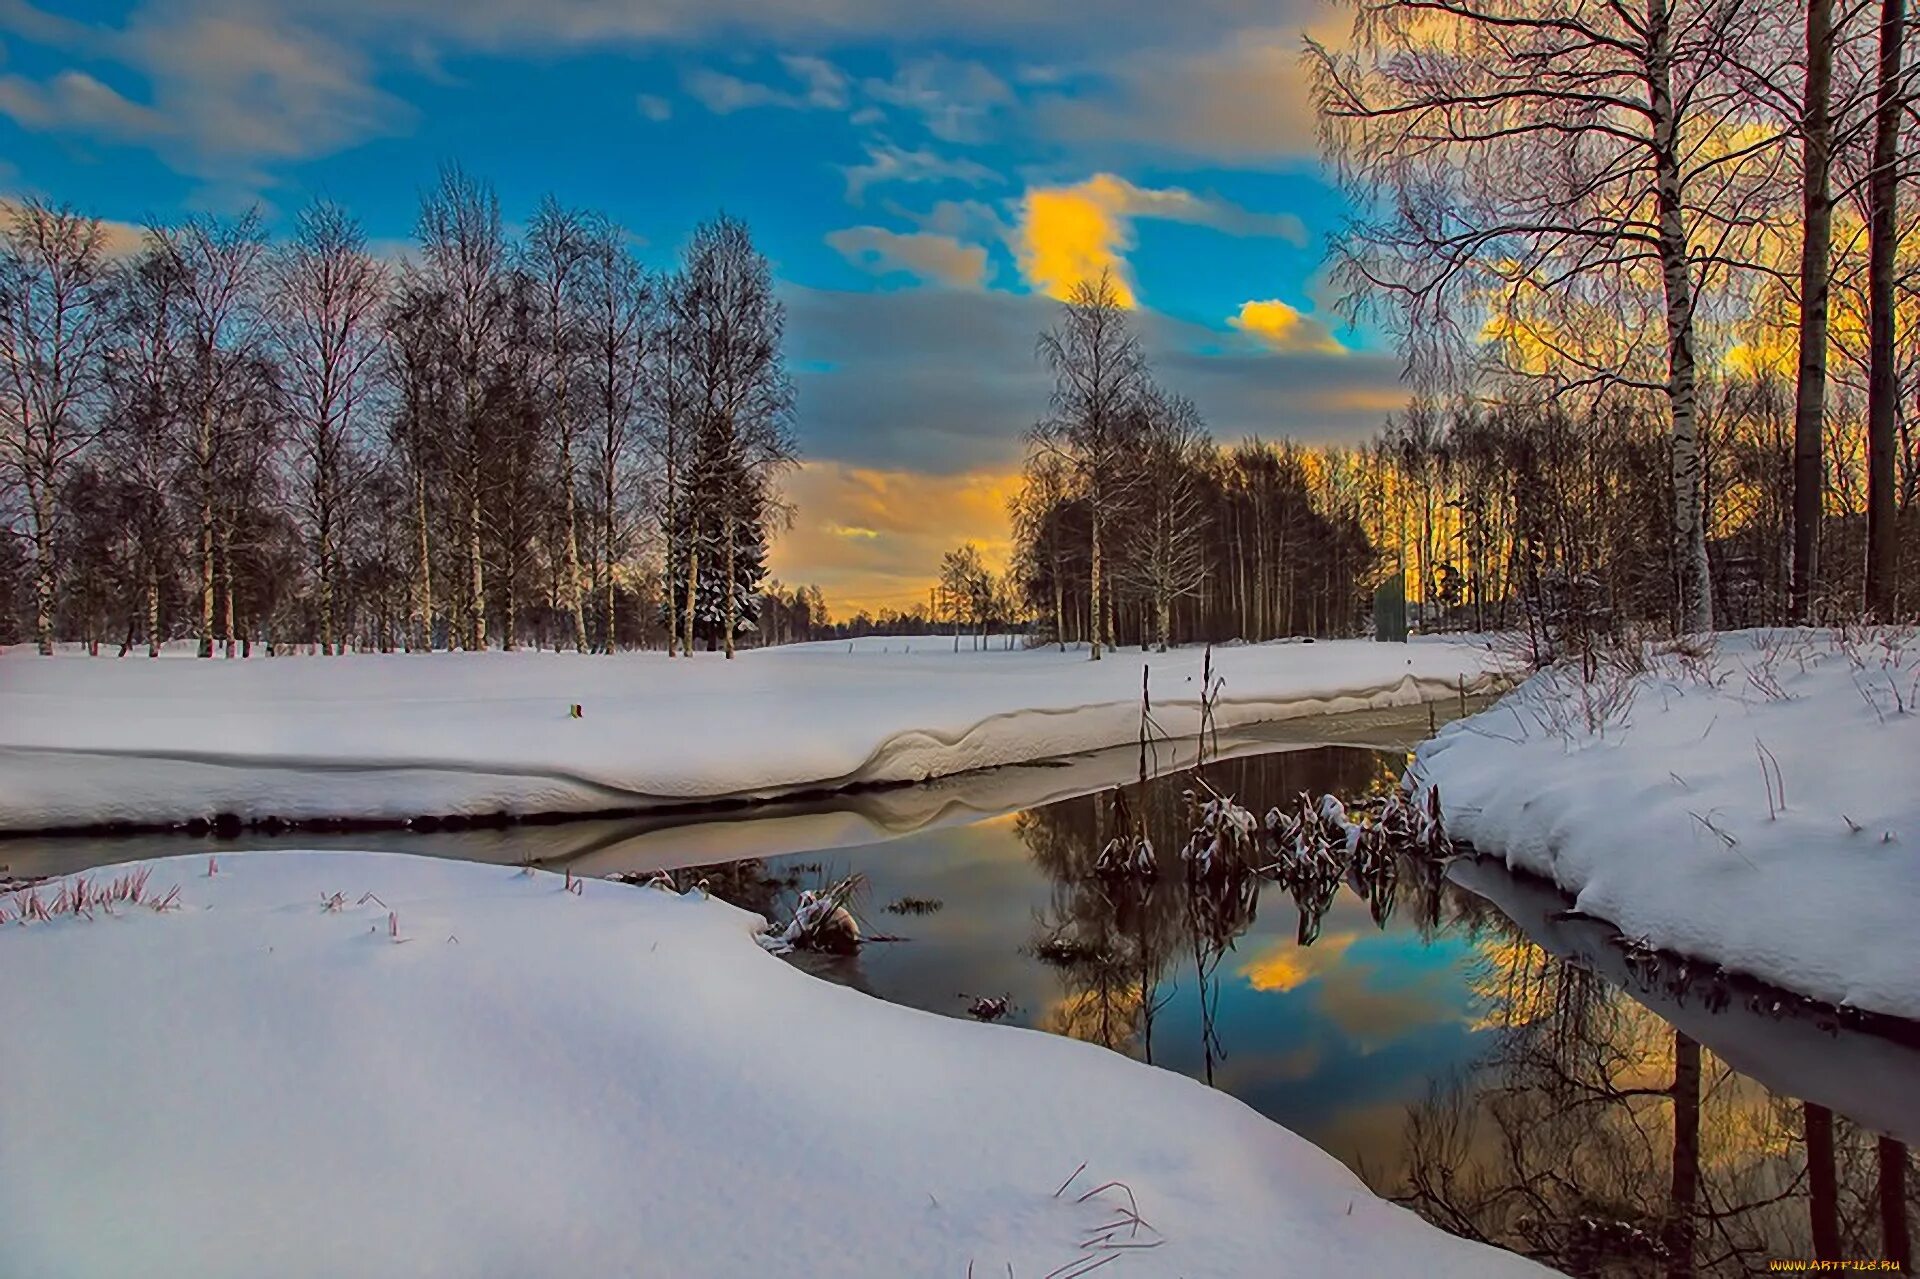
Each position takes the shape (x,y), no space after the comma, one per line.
(1509,1072)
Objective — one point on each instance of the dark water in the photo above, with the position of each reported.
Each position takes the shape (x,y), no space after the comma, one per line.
(1510,1073)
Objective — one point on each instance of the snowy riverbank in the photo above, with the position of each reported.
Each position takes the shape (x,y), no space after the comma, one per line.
(459,1069)
(1755,806)
(85,741)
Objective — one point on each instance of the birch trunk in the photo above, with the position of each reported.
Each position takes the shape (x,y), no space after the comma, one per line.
(1094,614)
(1882,376)
(43,566)
(731,604)
(425,592)
(226,585)
(693,579)
(1694,586)
(476,573)
(153,609)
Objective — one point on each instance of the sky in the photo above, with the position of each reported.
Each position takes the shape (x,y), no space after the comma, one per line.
(926,176)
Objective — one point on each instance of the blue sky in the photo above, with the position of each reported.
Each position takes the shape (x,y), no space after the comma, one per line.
(924,174)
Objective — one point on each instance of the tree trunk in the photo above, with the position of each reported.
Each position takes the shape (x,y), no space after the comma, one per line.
(226,585)
(325,574)
(1882,377)
(153,608)
(476,572)
(608,532)
(426,560)
(1694,586)
(1685,1187)
(1094,612)
(731,602)
(673,613)
(693,582)
(575,603)
(1810,397)
(1895,1242)
(206,567)
(43,566)
(1823,1195)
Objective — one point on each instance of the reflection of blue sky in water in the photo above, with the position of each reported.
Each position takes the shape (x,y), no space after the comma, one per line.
(1333,1040)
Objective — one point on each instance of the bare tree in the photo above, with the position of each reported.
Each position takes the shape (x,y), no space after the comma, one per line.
(1569,168)
(1163,548)
(559,253)
(1099,377)
(54,283)
(326,311)
(219,265)
(145,377)
(1043,491)
(465,261)
(618,324)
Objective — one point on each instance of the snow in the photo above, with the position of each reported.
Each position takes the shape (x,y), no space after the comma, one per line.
(86,741)
(1656,799)
(530,1080)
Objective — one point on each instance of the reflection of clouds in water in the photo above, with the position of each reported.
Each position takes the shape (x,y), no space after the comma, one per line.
(1376,1005)
(1373,987)
(1284,966)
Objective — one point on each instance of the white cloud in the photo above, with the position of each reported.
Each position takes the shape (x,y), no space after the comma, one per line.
(654,107)
(889,163)
(819,86)
(954,98)
(941,259)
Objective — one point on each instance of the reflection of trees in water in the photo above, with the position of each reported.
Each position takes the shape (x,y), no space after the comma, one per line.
(1600,1140)
(1115,939)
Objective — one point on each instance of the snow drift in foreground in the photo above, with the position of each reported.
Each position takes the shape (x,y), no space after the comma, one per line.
(87,741)
(328,1062)
(1755,806)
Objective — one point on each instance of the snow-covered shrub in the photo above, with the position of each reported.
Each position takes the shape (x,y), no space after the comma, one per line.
(1223,838)
(1128,854)
(823,920)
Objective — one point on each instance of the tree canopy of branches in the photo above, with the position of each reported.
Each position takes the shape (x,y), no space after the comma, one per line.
(498,440)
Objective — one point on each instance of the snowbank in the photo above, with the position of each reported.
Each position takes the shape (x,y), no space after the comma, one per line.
(87,741)
(533,1082)
(1755,806)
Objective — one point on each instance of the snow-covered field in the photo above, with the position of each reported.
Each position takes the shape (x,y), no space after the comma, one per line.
(96,740)
(467,1070)
(1757,805)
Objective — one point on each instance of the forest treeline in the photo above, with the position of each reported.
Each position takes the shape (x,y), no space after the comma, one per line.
(500,441)
(1654,281)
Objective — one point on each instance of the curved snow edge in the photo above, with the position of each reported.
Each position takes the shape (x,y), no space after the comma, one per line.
(63,788)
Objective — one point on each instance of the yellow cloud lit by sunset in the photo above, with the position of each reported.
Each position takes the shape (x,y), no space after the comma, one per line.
(1283,327)
(1069,235)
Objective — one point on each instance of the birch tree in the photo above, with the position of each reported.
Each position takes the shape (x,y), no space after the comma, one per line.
(559,253)
(145,381)
(54,331)
(1566,165)
(1163,552)
(1810,391)
(465,256)
(326,313)
(1099,377)
(219,266)
(1883,244)
(617,336)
